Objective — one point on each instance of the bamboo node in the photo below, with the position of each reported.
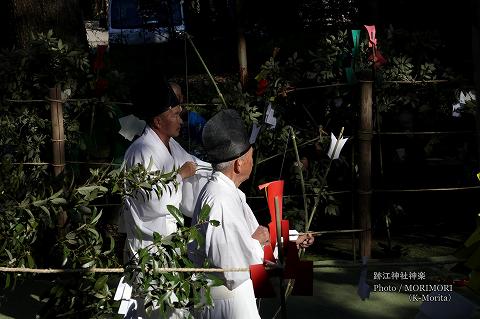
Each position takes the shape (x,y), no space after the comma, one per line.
(364,192)
(55,100)
(365,135)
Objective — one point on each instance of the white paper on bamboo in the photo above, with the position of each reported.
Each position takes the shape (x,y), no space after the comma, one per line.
(462,100)
(120,290)
(127,306)
(124,293)
(254,134)
(130,126)
(340,145)
(269,116)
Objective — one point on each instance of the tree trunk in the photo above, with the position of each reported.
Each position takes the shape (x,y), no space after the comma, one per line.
(475,10)
(242,44)
(369,12)
(24,17)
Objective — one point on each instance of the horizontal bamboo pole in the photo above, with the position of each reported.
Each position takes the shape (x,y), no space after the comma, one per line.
(346,265)
(205,104)
(425,133)
(425,189)
(340,231)
(68,162)
(415,82)
(348,84)
(115,270)
(316,264)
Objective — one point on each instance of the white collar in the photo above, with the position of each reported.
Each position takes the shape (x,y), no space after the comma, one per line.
(150,133)
(225,179)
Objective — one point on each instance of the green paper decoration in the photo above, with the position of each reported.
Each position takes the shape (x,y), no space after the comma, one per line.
(351,79)
(356,42)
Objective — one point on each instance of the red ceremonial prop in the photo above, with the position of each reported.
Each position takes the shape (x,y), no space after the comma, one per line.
(293,268)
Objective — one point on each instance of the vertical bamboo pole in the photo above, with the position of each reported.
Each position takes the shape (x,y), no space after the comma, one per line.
(58,143)
(365,167)
(242,45)
(283,302)
(242,57)
(475,7)
(302,181)
(352,198)
(58,136)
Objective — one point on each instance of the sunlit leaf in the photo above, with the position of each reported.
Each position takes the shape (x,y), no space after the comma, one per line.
(88,264)
(176,213)
(59,201)
(204,212)
(214,223)
(101,282)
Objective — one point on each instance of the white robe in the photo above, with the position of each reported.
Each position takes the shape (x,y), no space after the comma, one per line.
(141,217)
(229,245)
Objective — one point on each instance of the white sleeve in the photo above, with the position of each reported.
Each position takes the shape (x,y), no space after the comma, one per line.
(192,185)
(230,245)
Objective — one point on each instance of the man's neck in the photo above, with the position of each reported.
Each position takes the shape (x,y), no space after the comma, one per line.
(163,137)
(234,177)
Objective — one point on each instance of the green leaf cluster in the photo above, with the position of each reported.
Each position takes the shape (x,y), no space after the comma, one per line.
(164,290)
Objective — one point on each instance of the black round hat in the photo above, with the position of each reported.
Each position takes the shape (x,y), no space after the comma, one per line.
(225,137)
(153,96)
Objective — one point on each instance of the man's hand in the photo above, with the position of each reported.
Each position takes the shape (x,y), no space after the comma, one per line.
(304,241)
(261,234)
(188,169)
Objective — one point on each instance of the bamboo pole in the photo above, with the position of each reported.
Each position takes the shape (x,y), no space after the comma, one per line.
(476,67)
(324,181)
(58,143)
(302,181)
(352,203)
(242,57)
(117,270)
(323,232)
(242,44)
(365,169)
(281,260)
(58,136)
(207,70)
(316,264)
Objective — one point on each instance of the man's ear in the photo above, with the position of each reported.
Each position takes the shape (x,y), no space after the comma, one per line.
(237,166)
(156,121)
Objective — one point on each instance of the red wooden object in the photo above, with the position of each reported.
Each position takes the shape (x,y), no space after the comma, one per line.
(301,271)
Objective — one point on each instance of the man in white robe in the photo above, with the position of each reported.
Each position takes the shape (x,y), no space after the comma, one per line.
(157,150)
(237,242)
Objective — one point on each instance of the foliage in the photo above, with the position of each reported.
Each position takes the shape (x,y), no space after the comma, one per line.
(83,246)
(328,60)
(31,199)
(163,291)
(47,61)
(56,222)
(407,56)
(412,56)
(88,295)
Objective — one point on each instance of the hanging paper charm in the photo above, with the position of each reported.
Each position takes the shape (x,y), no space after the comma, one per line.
(371,36)
(334,152)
